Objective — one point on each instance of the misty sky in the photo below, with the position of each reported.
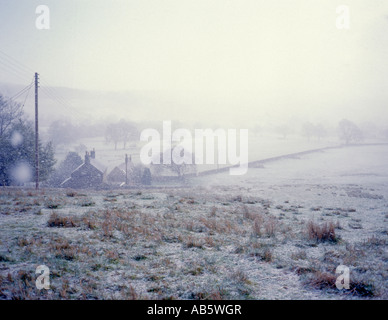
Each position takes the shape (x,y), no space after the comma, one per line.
(233,59)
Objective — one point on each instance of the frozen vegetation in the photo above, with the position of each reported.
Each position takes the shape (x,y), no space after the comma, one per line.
(278,232)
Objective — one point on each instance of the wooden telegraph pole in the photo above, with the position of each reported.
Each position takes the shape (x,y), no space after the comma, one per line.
(36,134)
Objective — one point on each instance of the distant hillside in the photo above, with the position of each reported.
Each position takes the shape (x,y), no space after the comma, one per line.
(81,105)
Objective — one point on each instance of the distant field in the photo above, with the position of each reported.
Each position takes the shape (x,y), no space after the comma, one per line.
(260,147)
(278,232)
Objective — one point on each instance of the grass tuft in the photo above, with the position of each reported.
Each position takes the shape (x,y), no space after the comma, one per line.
(321,233)
(62,222)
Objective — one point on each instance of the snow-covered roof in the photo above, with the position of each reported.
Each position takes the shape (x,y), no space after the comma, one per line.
(98,165)
(130,166)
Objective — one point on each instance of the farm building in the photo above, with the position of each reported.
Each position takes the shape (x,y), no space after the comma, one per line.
(88,175)
(128,173)
(122,173)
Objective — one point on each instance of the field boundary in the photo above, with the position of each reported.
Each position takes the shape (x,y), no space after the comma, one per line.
(259,163)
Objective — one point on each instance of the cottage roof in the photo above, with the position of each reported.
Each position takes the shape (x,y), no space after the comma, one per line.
(130,166)
(98,165)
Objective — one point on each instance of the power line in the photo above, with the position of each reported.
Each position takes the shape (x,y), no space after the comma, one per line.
(16,62)
(51,91)
(28,70)
(59,100)
(20,70)
(13,67)
(52,97)
(24,68)
(17,95)
(54,93)
(27,95)
(10,71)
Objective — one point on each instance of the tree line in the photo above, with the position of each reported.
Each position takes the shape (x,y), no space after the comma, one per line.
(64,132)
(346,131)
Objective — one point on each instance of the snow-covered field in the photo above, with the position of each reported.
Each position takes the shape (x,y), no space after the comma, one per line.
(257,236)
(262,146)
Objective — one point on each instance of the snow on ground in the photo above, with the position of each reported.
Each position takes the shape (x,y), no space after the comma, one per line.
(337,166)
(261,146)
(218,237)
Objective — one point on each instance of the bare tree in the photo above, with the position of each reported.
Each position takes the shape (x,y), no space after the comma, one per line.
(122,131)
(320,131)
(284,130)
(310,130)
(128,131)
(349,131)
(10,111)
(112,134)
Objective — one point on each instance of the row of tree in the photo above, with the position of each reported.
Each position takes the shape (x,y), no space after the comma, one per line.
(63,132)
(122,131)
(17,147)
(347,131)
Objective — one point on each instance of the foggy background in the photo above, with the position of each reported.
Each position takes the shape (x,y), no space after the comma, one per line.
(230,63)
(279,68)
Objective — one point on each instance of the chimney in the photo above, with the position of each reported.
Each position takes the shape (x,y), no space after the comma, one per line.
(87,158)
(93,154)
